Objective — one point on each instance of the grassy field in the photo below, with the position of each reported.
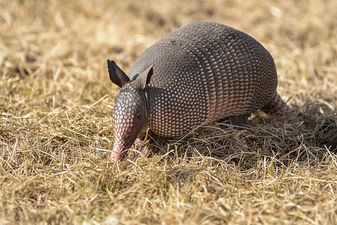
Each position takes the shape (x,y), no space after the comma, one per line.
(56,132)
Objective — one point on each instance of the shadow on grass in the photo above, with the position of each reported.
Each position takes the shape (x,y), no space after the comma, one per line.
(288,138)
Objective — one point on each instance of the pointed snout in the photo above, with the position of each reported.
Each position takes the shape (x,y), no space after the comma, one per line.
(118,152)
(115,156)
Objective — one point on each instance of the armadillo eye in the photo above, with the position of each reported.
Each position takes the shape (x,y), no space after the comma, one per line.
(138,116)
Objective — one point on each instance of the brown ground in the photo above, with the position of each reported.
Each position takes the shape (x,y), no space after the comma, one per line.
(55,119)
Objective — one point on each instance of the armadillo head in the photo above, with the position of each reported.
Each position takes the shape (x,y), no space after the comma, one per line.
(130,111)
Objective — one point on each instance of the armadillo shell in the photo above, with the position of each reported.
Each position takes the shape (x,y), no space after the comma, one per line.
(203,72)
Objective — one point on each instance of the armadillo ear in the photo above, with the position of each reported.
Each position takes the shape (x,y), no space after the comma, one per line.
(143,79)
(116,74)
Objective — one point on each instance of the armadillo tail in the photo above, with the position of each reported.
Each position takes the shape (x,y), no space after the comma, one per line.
(277,105)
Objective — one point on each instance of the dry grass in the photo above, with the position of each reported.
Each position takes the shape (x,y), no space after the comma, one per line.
(55,119)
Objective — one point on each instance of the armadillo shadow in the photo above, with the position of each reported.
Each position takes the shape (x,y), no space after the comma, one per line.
(283,138)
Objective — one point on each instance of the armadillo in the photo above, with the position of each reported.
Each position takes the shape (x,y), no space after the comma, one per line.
(199,73)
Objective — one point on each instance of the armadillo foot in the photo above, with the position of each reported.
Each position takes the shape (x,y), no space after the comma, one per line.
(148,143)
(142,144)
(240,121)
(149,148)
(146,149)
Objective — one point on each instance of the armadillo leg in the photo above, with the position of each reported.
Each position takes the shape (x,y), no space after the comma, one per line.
(146,148)
(143,142)
(149,143)
(236,120)
(276,105)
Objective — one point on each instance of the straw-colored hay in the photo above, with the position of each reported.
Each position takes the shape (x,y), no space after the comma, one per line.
(55,119)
